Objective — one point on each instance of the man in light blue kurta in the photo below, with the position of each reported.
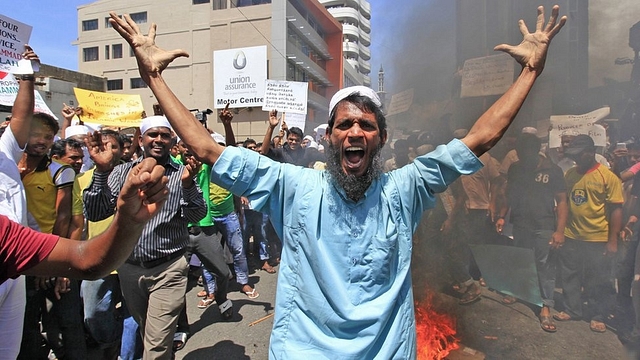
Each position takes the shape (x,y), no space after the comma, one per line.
(344,289)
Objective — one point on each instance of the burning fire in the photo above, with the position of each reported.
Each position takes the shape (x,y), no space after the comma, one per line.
(435,330)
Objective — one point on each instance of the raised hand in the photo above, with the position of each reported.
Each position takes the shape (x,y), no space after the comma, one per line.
(274,120)
(152,60)
(225,115)
(532,51)
(192,167)
(68,113)
(29,54)
(101,152)
(144,192)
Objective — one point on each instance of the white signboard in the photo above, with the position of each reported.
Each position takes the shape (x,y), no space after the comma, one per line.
(400,102)
(489,75)
(13,36)
(286,96)
(9,91)
(239,76)
(295,120)
(579,124)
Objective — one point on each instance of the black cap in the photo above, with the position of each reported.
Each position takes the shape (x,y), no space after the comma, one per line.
(579,144)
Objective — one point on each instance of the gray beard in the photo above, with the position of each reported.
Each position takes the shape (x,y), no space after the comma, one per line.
(354,186)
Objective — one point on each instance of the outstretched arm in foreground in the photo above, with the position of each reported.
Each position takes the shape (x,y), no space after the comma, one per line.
(151,62)
(22,111)
(140,199)
(531,53)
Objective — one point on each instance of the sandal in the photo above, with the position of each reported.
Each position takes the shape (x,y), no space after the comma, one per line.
(482,282)
(597,326)
(179,340)
(510,300)
(563,316)
(470,296)
(268,268)
(205,302)
(202,293)
(546,323)
(253,294)
(226,310)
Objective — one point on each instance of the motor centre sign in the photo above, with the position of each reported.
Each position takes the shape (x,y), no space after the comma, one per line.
(239,77)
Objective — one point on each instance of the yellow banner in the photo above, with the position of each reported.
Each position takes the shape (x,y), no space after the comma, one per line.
(109,109)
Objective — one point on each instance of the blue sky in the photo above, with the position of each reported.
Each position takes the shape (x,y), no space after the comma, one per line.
(55,27)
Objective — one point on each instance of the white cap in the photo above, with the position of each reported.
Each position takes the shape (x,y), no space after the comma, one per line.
(218,138)
(346,92)
(75,130)
(153,121)
(529,130)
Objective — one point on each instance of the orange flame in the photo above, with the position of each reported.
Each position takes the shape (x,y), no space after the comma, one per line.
(435,330)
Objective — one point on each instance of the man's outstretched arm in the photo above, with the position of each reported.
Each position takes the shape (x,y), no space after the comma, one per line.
(151,62)
(141,198)
(531,53)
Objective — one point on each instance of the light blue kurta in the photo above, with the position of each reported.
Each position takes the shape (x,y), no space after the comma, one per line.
(344,286)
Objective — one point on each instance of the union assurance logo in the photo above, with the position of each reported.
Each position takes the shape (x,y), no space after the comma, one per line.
(239,60)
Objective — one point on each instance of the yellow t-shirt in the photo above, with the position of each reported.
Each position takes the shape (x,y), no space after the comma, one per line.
(41,188)
(588,196)
(82,181)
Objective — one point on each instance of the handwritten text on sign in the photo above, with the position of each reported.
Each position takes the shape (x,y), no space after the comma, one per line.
(579,124)
(286,96)
(489,75)
(110,109)
(13,36)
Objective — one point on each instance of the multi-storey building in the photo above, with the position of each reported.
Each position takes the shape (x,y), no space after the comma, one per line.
(355,16)
(304,43)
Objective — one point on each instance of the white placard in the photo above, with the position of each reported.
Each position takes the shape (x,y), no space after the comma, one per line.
(9,91)
(13,36)
(239,76)
(295,120)
(400,102)
(286,96)
(488,75)
(580,124)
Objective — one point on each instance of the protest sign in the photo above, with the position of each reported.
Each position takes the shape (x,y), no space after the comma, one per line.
(13,36)
(489,75)
(400,102)
(579,124)
(286,96)
(9,91)
(239,76)
(110,109)
(295,120)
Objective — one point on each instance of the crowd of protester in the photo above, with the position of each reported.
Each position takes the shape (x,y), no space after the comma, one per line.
(575,206)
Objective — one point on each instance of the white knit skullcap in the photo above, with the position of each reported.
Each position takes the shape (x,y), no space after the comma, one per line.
(154,121)
(75,130)
(359,90)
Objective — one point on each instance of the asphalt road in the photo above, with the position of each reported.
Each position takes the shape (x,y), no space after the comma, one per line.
(498,331)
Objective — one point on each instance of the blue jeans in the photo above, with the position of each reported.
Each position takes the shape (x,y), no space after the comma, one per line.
(546,258)
(131,345)
(101,318)
(256,224)
(229,227)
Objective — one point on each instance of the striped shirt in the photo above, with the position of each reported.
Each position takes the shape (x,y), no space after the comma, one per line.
(166,232)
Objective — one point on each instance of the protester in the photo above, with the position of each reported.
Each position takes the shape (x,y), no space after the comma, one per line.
(344,285)
(159,259)
(537,198)
(591,236)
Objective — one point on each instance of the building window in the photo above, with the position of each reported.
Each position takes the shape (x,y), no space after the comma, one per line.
(242,3)
(88,25)
(219,4)
(116,50)
(131,52)
(139,18)
(106,52)
(107,24)
(114,84)
(90,54)
(196,2)
(137,83)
